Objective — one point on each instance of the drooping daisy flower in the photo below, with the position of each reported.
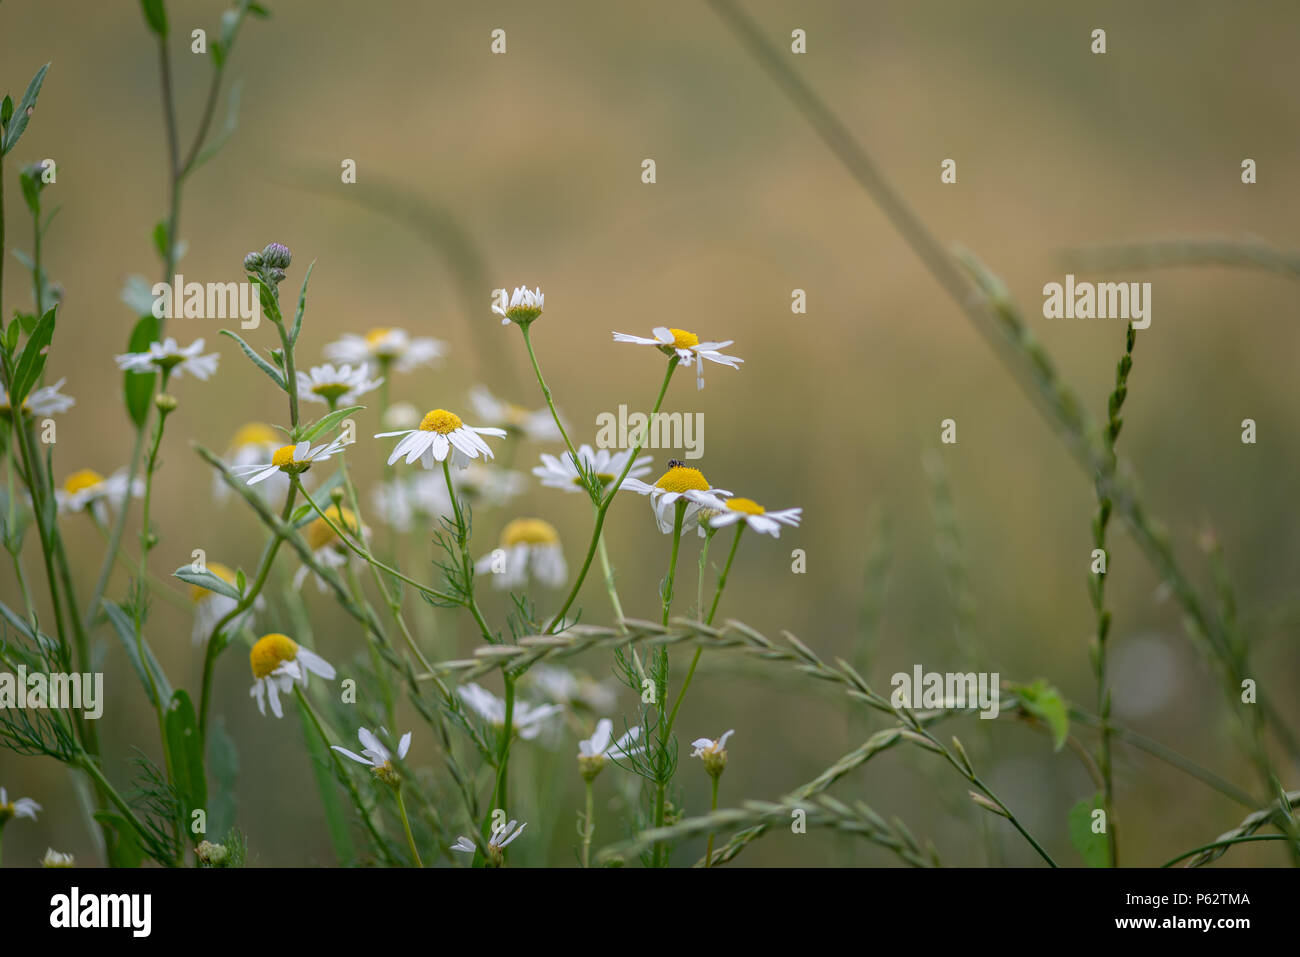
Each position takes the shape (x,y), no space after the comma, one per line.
(480,485)
(44,401)
(524,306)
(687,347)
(87,489)
(713,753)
(325,545)
(530,548)
(562,474)
(565,687)
(210,607)
(290,459)
(375,756)
(278,664)
(500,837)
(336,387)
(255,442)
(593,752)
(526,720)
(390,348)
(720,513)
(672,487)
(54,858)
(21,807)
(441,433)
(539,425)
(167,356)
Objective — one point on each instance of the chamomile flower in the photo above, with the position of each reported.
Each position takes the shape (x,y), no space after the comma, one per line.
(375,756)
(54,858)
(530,549)
(593,752)
(278,664)
(290,459)
(402,500)
(523,307)
(168,357)
(480,485)
(537,425)
(562,474)
(713,753)
(568,688)
(527,720)
(21,807)
(210,606)
(336,387)
(86,489)
(254,442)
(44,401)
(325,545)
(720,513)
(441,433)
(390,348)
(687,347)
(671,488)
(500,837)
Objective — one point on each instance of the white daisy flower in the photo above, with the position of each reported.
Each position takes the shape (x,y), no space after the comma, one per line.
(480,485)
(500,837)
(565,687)
(527,719)
(441,433)
(390,348)
(687,347)
(290,459)
(375,756)
(54,858)
(87,489)
(47,400)
(21,807)
(672,487)
(255,442)
(336,387)
(720,513)
(400,415)
(539,425)
(524,306)
(530,549)
(593,752)
(562,474)
(402,500)
(210,607)
(168,357)
(325,545)
(278,664)
(713,753)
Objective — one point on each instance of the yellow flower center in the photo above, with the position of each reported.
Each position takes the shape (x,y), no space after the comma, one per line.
(80,481)
(283,456)
(682,478)
(255,433)
(440,421)
(683,339)
(198,592)
(746,505)
(270,652)
(530,531)
(330,390)
(375,336)
(319,533)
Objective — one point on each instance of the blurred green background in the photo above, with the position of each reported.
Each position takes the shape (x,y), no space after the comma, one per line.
(478,170)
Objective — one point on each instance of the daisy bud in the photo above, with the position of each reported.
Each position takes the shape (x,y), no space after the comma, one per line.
(336,496)
(165,401)
(590,765)
(715,763)
(277,256)
(252,261)
(213,855)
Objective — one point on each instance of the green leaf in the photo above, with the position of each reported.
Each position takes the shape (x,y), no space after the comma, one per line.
(6,111)
(1094,848)
(125,629)
(325,423)
(205,579)
(228,130)
(270,305)
(31,187)
(160,239)
(1046,703)
(302,305)
(224,759)
(124,845)
(137,387)
(155,14)
(32,361)
(185,751)
(23,113)
(276,375)
(257,10)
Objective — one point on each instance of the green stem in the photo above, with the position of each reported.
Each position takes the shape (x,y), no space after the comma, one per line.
(406,823)
(679,514)
(1243,839)
(466,563)
(610,585)
(713,806)
(546,391)
(589,826)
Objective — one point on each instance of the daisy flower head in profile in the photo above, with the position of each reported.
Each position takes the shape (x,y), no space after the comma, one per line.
(404,499)
(171,360)
(341,386)
(325,545)
(377,757)
(523,306)
(607,466)
(480,485)
(254,442)
(537,425)
(500,837)
(279,663)
(47,400)
(19,807)
(686,346)
(210,606)
(289,459)
(569,688)
(713,753)
(672,488)
(527,720)
(439,434)
(720,513)
(530,550)
(593,752)
(87,490)
(55,858)
(389,348)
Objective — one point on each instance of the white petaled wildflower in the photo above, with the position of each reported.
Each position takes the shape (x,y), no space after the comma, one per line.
(523,307)
(720,513)
(497,841)
(20,807)
(712,753)
(375,756)
(537,425)
(340,386)
(279,663)
(390,348)
(290,459)
(671,488)
(87,489)
(210,606)
(527,720)
(441,433)
(561,472)
(167,356)
(530,549)
(47,400)
(687,347)
(480,485)
(54,858)
(403,499)
(326,548)
(565,687)
(252,444)
(593,752)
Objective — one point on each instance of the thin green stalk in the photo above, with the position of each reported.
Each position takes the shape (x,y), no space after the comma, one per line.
(1244,839)
(679,514)
(713,806)
(610,586)
(467,565)
(589,824)
(546,391)
(406,824)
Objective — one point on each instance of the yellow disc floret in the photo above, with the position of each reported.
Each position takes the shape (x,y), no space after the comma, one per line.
(682,478)
(198,592)
(254,433)
(270,652)
(683,339)
(441,421)
(746,505)
(529,531)
(376,336)
(319,532)
(82,480)
(283,456)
